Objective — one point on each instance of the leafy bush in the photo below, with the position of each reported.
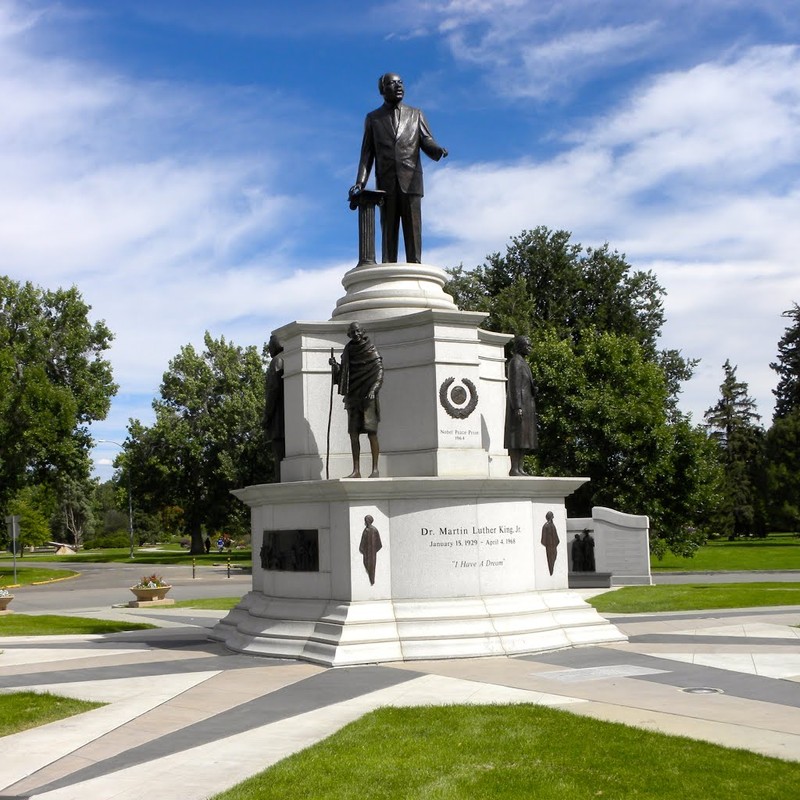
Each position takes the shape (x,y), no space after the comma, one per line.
(110,540)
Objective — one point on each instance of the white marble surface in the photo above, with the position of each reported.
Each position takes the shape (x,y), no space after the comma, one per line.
(423,354)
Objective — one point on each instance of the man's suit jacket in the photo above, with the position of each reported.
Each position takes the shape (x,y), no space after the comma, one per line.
(396,154)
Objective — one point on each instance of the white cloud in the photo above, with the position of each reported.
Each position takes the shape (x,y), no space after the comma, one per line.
(15,20)
(543,49)
(730,121)
(153,321)
(552,66)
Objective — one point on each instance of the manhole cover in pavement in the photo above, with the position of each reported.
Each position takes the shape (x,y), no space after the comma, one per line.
(702,690)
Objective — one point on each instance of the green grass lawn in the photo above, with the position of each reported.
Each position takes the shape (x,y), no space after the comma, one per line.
(696,596)
(22,710)
(212,603)
(778,551)
(53,625)
(519,752)
(239,558)
(28,575)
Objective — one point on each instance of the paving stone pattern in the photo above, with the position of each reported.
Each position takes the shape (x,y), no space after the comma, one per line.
(186,718)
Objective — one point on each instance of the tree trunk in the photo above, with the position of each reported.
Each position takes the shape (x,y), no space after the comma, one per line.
(74,527)
(195,530)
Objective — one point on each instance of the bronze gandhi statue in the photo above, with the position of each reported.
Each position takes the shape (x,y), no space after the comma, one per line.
(359,378)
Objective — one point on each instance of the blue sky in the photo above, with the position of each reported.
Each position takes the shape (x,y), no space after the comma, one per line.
(185,163)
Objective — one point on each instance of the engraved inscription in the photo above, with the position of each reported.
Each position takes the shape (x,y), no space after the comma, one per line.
(475,537)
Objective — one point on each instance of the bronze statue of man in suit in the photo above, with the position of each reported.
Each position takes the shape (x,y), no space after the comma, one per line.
(393,136)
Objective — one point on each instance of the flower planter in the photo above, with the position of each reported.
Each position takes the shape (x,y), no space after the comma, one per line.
(5,600)
(148,595)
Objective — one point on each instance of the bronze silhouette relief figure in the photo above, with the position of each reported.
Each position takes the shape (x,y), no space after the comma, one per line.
(582,550)
(274,419)
(394,134)
(576,550)
(550,541)
(359,378)
(587,541)
(369,546)
(520,427)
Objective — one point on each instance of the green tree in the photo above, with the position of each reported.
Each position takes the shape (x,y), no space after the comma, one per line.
(782,456)
(109,507)
(110,514)
(54,382)
(75,516)
(207,439)
(787,393)
(733,424)
(31,504)
(782,441)
(171,520)
(607,395)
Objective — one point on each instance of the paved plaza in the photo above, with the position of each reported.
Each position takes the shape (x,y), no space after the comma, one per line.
(186,718)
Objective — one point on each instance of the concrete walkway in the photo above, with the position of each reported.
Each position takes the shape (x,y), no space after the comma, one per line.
(186,718)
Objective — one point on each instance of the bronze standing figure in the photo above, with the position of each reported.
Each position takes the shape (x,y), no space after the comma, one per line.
(520,429)
(587,541)
(394,134)
(274,419)
(577,553)
(359,378)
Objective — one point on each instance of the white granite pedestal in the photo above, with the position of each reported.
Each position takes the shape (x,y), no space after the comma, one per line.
(461,572)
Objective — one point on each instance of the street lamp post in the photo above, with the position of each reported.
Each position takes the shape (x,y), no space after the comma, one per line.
(130,495)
